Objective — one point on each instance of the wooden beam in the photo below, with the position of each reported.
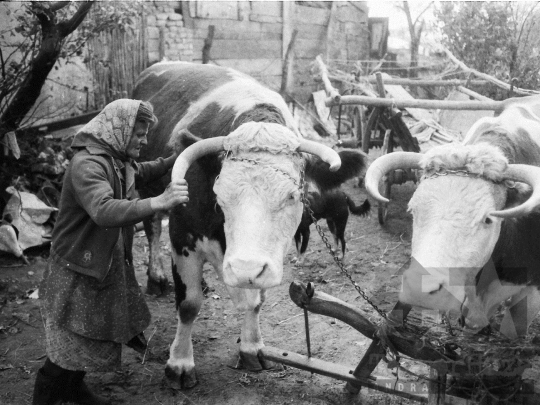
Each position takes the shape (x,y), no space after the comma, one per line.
(208,44)
(417,103)
(332,370)
(491,79)
(286,68)
(424,82)
(63,123)
(473,94)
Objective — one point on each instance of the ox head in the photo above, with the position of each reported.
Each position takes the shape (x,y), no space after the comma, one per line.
(259,190)
(457,211)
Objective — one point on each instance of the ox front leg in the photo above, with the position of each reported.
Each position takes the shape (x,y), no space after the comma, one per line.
(187,274)
(251,342)
(157,283)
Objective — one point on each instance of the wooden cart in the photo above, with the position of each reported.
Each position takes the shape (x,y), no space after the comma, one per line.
(443,362)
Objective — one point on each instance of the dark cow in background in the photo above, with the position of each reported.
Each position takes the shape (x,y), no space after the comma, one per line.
(333,205)
(246,167)
(476,227)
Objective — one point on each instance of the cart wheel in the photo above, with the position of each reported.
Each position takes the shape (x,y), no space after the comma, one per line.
(357,124)
(371,125)
(384,186)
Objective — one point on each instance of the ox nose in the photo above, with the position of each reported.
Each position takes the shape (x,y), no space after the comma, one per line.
(249,273)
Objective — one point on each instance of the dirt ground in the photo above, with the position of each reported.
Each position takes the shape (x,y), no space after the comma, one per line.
(375,254)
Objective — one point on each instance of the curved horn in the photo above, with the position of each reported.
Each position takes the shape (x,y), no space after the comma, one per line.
(525,174)
(194,152)
(327,154)
(385,164)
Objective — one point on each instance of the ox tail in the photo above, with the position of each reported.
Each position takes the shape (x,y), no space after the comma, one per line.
(353,164)
(360,210)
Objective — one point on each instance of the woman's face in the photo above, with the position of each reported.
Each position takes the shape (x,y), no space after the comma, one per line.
(138,139)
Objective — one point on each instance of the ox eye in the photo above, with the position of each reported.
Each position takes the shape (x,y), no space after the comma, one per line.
(488,221)
(292,197)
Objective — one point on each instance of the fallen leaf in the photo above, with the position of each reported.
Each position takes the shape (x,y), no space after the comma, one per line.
(5,367)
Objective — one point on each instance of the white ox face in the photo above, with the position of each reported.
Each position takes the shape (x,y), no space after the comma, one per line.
(453,237)
(262,209)
(258,190)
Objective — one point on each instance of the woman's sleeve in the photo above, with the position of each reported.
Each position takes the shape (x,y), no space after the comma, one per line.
(153,170)
(94,192)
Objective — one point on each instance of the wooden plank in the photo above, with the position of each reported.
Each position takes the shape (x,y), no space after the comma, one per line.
(309,48)
(423,82)
(241,49)
(332,370)
(64,123)
(311,15)
(437,387)
(234,33)
(418,103)
(396,91)
(253,67)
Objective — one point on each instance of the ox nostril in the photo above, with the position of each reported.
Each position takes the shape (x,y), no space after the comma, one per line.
(261,273)
(437,290)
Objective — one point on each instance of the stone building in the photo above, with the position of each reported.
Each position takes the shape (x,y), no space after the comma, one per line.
(251,36)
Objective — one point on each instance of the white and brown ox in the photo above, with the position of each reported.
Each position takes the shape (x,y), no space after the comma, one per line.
(476,234)
(242,158)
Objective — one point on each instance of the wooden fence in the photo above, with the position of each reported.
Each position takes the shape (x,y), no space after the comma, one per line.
(116,59)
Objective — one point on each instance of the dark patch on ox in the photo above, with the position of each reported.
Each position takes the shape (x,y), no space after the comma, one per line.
(179,286)
(516,255)
(518,147)
(261,113)
(353,163)
(215,120)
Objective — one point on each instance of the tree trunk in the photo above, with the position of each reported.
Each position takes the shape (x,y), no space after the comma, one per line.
(52,40)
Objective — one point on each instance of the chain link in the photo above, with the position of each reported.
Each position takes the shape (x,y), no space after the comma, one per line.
(339,262)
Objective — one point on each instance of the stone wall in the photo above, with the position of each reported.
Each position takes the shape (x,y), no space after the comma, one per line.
(167,36)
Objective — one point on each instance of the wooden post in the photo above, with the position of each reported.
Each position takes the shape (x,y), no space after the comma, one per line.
(418,103)
(286,64)
(161,43)
(437,387)
(208,44)
(330,90)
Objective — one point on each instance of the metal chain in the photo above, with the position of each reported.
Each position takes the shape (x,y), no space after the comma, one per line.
(338,261)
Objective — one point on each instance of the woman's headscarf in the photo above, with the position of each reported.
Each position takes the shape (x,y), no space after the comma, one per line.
(111,129)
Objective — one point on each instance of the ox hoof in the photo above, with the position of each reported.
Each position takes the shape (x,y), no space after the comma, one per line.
(157,288)
(182,381)
(256,362)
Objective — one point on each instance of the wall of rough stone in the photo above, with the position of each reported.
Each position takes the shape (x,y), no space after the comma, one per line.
(167,36)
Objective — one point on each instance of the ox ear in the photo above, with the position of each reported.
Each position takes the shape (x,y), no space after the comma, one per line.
(353,164)
(185,139)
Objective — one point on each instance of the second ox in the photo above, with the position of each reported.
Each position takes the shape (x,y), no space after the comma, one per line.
(246,165)
(476,228)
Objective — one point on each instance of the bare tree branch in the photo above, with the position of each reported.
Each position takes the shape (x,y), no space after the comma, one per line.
(423,11)
(67,27)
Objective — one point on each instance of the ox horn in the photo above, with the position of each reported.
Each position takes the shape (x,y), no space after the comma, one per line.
(194,152)
(385,164)
(525,174)
(326,154)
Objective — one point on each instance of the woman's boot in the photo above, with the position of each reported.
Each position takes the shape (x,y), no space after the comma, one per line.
(79,393)
(50,382)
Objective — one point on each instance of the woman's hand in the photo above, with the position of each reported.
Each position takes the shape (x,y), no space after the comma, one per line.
(175,193)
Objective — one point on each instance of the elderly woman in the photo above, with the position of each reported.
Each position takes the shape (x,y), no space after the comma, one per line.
(91,301)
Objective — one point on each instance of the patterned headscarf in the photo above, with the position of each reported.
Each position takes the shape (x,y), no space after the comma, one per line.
(111,129)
